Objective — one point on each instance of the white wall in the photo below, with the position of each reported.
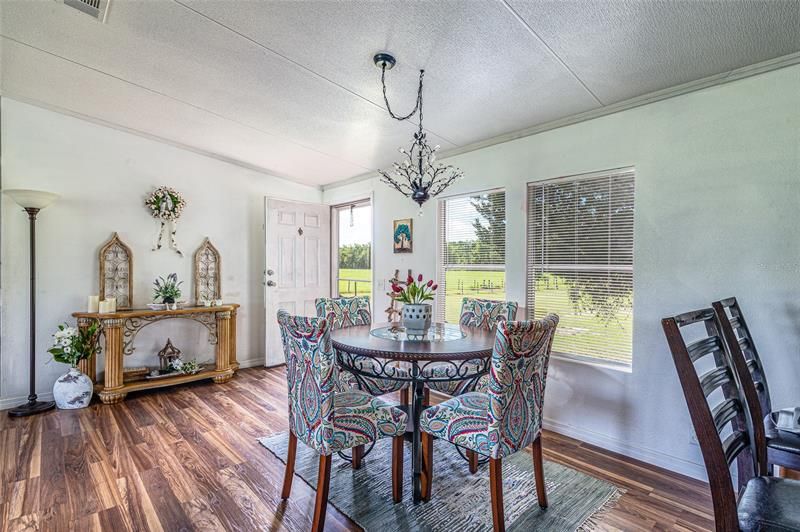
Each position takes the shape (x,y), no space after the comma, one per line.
(717,202)
(103,176)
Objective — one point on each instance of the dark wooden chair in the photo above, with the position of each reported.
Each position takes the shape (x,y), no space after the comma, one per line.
(728,432)
(783,448)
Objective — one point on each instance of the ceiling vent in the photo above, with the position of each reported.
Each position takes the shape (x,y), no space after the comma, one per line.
(95,8)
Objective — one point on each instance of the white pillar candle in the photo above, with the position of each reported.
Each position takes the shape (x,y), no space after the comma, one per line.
(104,307)
(94,304)
(112,304)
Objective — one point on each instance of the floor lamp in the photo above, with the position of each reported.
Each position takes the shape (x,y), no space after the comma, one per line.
(32,201)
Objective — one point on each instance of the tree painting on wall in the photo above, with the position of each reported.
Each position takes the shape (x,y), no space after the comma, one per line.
(403,240)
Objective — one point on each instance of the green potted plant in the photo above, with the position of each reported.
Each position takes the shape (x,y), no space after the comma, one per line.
(416,312)
(70,346)
(167,290)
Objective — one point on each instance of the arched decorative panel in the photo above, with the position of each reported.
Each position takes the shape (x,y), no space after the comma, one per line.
(207,273)
(116,272)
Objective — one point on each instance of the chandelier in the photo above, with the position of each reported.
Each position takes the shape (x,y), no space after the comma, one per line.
(418,176)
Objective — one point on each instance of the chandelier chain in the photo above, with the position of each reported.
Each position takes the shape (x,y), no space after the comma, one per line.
(417,106)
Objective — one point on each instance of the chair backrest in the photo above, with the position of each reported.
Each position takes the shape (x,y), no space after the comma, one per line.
(517,378)
(732,414)
(485,313)
(344,312)
(734,328)
(311,375)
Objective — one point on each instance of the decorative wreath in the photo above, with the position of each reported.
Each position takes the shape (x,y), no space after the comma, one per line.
(166,204)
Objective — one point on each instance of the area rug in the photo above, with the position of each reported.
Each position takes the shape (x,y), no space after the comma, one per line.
(459,501)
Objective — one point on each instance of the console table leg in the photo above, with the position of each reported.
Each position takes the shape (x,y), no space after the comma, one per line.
(232,342)
(87,365)
(223,347)
(112,330)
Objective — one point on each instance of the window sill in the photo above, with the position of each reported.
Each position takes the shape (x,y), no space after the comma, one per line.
(586,361)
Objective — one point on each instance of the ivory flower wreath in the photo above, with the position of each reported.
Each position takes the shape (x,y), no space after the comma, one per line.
(166,204)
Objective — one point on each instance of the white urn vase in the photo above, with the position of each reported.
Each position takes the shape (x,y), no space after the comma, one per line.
(417,318)
(73,390)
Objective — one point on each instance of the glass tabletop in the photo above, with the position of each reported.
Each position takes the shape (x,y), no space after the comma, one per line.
(439,332)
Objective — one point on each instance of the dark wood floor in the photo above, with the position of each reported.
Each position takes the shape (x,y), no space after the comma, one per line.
(187,458)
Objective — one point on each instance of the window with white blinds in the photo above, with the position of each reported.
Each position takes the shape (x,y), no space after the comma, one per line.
(580,263)
(472,251)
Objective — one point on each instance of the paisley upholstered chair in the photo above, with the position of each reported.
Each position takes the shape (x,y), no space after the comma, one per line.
(324,419)
(478,314)
(344,312)
(507,417)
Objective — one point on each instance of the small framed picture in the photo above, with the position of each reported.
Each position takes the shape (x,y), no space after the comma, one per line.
(403,240)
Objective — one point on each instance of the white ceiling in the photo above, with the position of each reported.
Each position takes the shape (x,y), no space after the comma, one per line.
(289,87)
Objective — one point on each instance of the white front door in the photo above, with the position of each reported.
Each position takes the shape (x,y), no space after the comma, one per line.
(298,264)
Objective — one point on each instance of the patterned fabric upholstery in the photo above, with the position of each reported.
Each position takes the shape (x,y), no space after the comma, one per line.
(360,418)
(479,314)
(344,312)
(321,418)
(485,313)
(508,417)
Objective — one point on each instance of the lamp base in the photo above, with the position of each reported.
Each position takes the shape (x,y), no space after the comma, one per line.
(32,407)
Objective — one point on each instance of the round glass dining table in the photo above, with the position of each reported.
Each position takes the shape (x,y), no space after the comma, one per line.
(445,353)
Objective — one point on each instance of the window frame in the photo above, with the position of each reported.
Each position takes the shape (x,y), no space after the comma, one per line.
(440,309)
(335,208)
(530,309)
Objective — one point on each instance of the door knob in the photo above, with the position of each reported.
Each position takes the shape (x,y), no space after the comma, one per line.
(270,283)
(270,272)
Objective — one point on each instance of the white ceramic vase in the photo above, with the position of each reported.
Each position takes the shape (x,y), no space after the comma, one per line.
(73,390)
(417,318)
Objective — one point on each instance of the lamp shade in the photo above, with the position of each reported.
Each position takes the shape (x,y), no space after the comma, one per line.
(31,199)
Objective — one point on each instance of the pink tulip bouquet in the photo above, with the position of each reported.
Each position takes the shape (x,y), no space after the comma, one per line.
(415,292)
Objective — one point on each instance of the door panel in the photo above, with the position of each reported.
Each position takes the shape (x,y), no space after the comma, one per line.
(298,257)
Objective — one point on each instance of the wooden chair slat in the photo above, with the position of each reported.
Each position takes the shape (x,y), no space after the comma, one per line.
(703,347)
(734,444)
(715,378)
(726,411)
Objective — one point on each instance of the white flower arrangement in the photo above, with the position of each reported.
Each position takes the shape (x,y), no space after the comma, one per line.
(186,367)
(71,345)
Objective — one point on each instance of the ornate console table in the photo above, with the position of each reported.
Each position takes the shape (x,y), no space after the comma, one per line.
(120,330)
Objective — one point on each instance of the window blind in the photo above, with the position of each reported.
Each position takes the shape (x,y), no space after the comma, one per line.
(580,262)
(471,251)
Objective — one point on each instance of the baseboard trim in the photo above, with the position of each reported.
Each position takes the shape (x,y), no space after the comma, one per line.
(251,362)
(650,456)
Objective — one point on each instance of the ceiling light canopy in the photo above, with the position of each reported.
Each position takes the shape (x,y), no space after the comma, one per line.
(418,175)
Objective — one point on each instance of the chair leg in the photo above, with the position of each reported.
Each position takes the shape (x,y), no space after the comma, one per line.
(473,461)
(427,466)
(496,493)
(404,397)
(397,468)
(426,397)
(288,475)
(538,470)
(323,486)
(358,454)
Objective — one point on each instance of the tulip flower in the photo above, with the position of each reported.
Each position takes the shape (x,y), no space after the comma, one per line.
(434,287)
(410,280)
(419,278)
(430,283)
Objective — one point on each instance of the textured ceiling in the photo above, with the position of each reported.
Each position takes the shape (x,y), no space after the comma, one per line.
(289,87)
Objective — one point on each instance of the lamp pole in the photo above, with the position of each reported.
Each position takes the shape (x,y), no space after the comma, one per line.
(32,201)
